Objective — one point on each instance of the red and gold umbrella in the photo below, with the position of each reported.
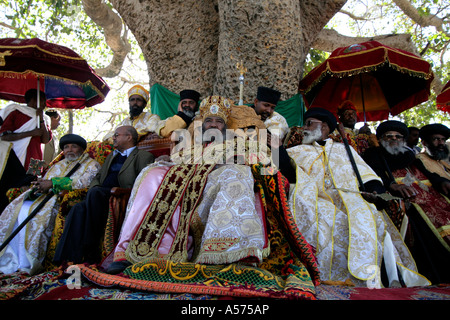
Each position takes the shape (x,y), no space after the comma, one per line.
(65,77)
(443,99)
(378,79)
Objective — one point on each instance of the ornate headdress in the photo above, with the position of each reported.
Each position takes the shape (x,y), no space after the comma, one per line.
(139,90)
(216,106)
(346,105)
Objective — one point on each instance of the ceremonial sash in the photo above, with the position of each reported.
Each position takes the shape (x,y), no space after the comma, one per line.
(182,186)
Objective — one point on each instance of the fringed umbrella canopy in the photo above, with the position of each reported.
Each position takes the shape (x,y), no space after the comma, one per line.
(378,79)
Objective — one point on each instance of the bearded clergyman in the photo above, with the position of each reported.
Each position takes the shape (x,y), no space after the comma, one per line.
(27,250)
(425,192)
(354,239)
(435,156)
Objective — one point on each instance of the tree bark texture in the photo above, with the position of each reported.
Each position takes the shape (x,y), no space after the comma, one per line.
(196,44)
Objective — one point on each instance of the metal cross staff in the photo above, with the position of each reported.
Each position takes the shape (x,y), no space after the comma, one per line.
(242,71)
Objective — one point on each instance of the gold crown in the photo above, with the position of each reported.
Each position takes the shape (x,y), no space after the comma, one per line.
(139,90)
(216,106)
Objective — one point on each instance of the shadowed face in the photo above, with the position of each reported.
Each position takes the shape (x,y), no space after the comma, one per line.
(137,105)
(436,147)
(264,109)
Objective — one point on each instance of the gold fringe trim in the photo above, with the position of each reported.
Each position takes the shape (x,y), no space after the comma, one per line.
(230,257)
(353,72)
(50,76)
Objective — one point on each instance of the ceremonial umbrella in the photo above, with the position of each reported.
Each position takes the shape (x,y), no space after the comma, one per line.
(65,77)
(443,99)
(378,79)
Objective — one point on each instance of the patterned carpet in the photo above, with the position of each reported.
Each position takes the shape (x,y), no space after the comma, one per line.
(52,286)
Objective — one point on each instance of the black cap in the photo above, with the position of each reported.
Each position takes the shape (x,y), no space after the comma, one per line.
(392,125)
(435,128)
(322,115)
(72,138)
(268,95)
(189,94)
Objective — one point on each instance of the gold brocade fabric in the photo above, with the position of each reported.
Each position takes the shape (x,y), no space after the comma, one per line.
(350,235)
(277,124)
(441,168)
(182,183)
(39,230)
(244,117)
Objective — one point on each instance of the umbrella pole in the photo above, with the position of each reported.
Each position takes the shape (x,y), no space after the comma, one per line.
(350,156)
(38,101)
(362,97)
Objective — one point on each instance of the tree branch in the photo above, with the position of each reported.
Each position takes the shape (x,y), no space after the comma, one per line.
(422,20)
(112,25)
(329,40)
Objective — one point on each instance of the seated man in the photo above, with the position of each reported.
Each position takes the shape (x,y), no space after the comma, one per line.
(203,211)
(265,103)
(143,122)
(351,236)
(357,138)
(187,110)
(85,222)
(413,139)
(436,153)
(27,250)
(425,192)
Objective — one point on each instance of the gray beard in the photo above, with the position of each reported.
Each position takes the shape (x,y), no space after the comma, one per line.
(438,154)
(309,136)
(188,112)
(394,150)
(72,157)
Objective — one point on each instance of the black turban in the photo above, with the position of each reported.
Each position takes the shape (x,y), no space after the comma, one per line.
(322,115)
(436,128)
(189,94)
(72,138)
(392,125)
(268,95)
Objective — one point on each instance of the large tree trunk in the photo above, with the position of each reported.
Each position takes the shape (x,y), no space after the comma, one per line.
(196,44)
(178,39)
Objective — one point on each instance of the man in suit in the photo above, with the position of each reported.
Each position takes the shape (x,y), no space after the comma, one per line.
(85,222)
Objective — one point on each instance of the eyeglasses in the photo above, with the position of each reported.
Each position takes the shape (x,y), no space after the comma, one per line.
(308,123)
(392,136)
(115,135)
(438,139)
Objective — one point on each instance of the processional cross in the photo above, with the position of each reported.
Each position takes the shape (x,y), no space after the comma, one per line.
(36,167)
(242,71)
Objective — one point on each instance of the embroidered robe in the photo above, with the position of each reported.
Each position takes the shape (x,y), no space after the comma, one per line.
(194,212)
(27,250)
(349,234)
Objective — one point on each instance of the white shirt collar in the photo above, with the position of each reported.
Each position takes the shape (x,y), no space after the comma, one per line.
(126,152)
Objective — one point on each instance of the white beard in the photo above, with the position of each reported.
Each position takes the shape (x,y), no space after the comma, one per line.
(394,150)
(309,136)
